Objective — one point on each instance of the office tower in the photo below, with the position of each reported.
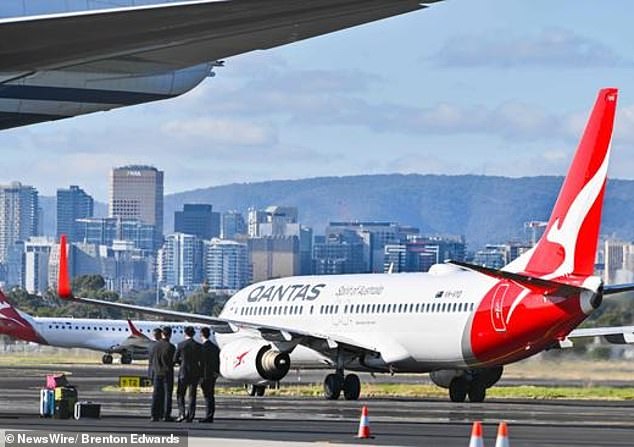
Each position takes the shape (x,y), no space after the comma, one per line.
(19,218)
(36,258)
(616,257)
(274,257)
(338,253)
(136,192)
(105,230)
(199,220)
(72,204)
(126,268)
(375,235)
(233,225)
(227,267)
(181,261)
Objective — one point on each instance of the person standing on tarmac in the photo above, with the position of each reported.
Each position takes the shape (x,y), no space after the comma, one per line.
(157,398)
(210,370)
(188,353)
(163,377)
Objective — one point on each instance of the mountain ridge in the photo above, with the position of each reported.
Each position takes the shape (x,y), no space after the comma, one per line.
(485,209)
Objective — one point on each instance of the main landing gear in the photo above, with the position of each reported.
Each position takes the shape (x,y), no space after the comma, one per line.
(256,390)
(460,388)
(335,383)
(126,358)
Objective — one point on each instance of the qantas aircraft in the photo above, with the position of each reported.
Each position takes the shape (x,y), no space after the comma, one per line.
(124,337)
(61,58)
(461,323)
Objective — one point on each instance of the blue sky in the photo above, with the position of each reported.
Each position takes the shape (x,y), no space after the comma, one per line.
(496,87)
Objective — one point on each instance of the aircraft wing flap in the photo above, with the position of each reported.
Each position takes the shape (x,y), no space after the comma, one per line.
(201,31)
(616,335)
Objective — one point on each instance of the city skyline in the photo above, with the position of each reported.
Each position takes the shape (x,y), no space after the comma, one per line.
(362,102)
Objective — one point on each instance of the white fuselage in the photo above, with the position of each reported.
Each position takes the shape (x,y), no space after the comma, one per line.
(418,321)
(98,334)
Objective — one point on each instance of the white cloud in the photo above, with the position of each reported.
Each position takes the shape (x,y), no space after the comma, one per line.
(550,47)
(221,131)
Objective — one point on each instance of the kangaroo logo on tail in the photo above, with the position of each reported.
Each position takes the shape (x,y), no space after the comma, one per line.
(569,243)
(16,324)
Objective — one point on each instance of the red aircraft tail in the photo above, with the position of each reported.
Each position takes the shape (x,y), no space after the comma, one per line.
(569,243)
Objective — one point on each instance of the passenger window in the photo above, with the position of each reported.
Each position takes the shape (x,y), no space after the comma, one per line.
(453,308)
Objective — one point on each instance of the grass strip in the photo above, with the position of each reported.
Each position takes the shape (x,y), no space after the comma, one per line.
(431,391)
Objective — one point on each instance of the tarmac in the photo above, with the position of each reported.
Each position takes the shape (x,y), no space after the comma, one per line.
(277,421)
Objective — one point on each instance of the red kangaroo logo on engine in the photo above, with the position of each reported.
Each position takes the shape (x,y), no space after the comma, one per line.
(240,359)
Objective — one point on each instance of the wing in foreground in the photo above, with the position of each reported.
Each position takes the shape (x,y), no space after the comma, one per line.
(62,65)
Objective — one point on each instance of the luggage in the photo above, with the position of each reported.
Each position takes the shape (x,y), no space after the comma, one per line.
(85,409)
(65,399)
(56,380)
(47,403)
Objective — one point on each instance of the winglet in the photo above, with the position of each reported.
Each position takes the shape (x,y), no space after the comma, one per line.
(133,329)
(64,289)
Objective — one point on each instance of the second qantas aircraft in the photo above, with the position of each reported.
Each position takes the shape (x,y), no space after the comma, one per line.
(461,323)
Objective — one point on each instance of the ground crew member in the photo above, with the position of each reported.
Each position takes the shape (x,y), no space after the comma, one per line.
(163,377)
(157,407)
(210,370)
(188,353)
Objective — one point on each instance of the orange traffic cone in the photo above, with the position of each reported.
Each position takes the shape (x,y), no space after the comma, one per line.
(503,436)
(364,425)
(476,435)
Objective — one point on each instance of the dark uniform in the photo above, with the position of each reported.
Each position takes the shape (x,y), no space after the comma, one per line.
(210,370)
(162,366)
(158,334)
(187,354)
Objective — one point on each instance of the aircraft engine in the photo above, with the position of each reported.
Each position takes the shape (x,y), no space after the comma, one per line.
(253,361)
(486,376)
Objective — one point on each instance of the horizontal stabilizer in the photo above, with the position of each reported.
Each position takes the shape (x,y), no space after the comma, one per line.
(556,288)
(618,288)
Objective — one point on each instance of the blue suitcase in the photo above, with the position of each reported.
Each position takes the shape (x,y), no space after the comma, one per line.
(47,403)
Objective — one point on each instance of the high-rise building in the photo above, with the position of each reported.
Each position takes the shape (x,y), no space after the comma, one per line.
(274,257)
(339,253)
(105,230)
(19,220)
(227,267)
(72,204)
(375,235)
(181,261)
(233,225)
(616,258)
(273,221)
(136,192)
(199,220)
(37,251)
(126,268)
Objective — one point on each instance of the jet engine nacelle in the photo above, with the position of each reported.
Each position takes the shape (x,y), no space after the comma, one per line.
(253,361)
(486,376)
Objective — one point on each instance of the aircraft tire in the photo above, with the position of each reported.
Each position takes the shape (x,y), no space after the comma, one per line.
(126,358)
(106,359)
(458,389)
(351,387)
(333,384)
(477,392)
(256,390)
